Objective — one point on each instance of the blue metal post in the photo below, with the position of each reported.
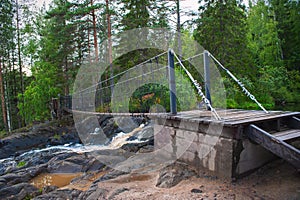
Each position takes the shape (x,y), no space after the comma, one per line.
(207,76)
(172,83)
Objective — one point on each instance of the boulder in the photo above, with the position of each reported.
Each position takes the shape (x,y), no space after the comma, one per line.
(93,193)
(117,192)
(146,133)
(138,147)
(64,167)
(173,174)
(60,195)
(22,175)
(18,191)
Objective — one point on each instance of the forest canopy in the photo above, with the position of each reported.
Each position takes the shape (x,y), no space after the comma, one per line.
(41,49)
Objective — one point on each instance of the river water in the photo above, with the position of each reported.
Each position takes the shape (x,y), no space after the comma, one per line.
(117,141)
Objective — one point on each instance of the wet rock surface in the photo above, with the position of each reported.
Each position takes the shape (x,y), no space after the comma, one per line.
(17,171)
(39,136)
(60,195)
(19,177)
(19,191)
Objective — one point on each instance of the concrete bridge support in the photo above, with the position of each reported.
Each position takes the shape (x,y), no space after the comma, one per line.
(215,149)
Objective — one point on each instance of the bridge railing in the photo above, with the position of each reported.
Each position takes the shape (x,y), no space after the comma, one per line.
(158,80)
(60,104)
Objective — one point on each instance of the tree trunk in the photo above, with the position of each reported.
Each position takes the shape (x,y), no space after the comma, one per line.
(89,47)
(109,44)
(19,56)
(95,34)
(178,29)
(7,104)
(4,114)
(19,50)
(67,90)
(14,90)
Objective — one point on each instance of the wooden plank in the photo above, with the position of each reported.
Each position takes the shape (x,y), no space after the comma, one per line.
(290,131)
(229,115)
(278,147)
(268,117)
(288,134)
(242,117)
(224,115)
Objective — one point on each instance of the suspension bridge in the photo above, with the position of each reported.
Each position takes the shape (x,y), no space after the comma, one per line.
(179,97)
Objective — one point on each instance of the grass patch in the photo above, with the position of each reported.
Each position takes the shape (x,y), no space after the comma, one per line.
(3,134)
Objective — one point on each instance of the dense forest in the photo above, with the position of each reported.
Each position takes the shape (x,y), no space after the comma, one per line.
(41,49)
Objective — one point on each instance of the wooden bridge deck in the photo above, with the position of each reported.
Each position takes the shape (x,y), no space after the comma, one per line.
(230,117)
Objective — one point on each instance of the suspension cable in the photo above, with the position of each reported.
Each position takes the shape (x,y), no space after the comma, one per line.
(146,61)
(200,54)
(199,88)
(124,81)
(245,90)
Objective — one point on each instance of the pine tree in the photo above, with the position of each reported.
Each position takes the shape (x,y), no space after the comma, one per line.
(221,29)
(6,44)
(287,15)
(62,48)
(137,15)
(264,42)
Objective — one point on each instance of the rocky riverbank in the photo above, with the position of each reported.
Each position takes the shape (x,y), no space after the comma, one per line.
(49,162)
(55,148)
(39,136)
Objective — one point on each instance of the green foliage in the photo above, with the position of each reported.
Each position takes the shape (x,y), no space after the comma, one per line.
(28,197)
(3,134)
(293,85)
(221,29)
(263,39)
(137,15)
(260,45)
(7,29)
(56,136)
(146,97)
(103,108)
(273,83)
(61,48)
(35,101)
(269,39)
(21,164)
(287,16)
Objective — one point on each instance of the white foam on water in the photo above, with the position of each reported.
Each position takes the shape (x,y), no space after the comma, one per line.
(117,141)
